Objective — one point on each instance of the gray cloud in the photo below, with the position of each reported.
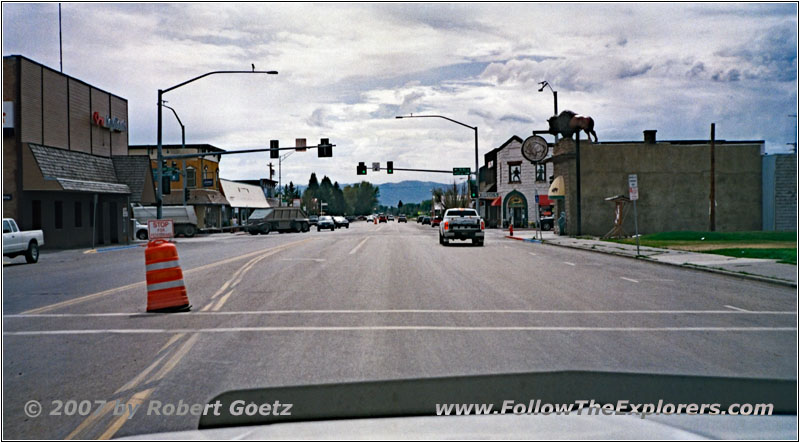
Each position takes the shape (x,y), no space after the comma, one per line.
(631,71)
(515,119)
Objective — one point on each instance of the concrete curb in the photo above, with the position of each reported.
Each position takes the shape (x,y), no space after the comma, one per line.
(760,278)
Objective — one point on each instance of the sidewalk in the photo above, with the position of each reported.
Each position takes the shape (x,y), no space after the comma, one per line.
(750,268)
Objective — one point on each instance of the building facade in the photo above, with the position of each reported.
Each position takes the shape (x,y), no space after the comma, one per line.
(511,186)
(779,192)
(60,140)
(674,184)
(199,172)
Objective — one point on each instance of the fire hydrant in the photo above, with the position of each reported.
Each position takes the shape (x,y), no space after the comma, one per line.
(511,230)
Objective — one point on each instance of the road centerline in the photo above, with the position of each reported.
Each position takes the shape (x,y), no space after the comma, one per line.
(354,250)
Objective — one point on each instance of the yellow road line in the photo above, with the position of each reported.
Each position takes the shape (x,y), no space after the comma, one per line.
(136,380)
(137,399)
(222,301)
(89,297)
(91,419)
(172,340)
(175,359)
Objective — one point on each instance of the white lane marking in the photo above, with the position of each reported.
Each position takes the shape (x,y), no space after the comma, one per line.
(735,308)
(630,279)
(304,259)
(532,253)
(403,328)
(404,311)
(353,251)
(568,263)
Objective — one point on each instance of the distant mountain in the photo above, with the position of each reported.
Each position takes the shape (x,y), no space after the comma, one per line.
(409,191)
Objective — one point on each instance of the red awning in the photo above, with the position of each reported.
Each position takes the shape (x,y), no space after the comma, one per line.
(545,201)
(497,202)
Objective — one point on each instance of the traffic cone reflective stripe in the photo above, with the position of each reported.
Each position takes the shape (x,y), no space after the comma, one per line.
(166,290)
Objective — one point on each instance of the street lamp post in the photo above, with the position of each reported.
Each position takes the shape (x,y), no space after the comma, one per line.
(160,156)
(545,84)
(183,149)
(474,128)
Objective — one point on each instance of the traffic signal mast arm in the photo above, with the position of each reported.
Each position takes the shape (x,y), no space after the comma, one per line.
(241,151)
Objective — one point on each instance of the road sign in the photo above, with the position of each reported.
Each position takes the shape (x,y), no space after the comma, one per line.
(300,145)
(633,187)
(534,148)
(461,171)
(376,166)
(163,228)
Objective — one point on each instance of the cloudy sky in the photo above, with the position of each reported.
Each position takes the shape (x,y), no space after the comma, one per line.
(346,70)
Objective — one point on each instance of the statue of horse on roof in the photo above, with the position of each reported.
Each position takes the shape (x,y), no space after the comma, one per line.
(567,123)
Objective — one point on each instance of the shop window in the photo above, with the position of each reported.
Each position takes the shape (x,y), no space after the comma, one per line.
(59,214)
(36,214)
(540,173)
(191,178)
(78,215)
(515,173)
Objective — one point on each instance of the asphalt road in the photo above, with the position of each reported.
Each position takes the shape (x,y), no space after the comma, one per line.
(365,303)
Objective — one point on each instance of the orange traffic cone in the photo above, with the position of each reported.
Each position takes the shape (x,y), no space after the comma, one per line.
(166,291)
(376,220)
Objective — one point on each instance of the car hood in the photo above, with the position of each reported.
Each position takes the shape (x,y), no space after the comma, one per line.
(406,408)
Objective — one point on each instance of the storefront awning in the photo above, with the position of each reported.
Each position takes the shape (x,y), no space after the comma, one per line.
(544,201)
(557,188)
(54,169)
(497,201)
(241,195)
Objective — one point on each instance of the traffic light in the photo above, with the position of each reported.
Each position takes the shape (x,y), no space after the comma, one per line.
(361,169)
(166,183)
(273,149)
(325,149)
(400,204)
(473,189)
(186,194)
(390,167)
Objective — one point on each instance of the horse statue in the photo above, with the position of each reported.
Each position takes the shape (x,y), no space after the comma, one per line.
(568,123)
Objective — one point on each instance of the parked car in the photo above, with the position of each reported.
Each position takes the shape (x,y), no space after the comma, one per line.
(382,218)
(362,217)
(461,224)
(312,220)
(340,222)
(285,219)
(326,222)
(426,220)
(547,223)
(436,221)
(391,217)
(419,218)
(350,218)
(16,242)
(140,230)
(370,218)
(402,218)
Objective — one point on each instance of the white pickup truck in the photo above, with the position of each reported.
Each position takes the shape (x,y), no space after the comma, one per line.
(16,242)
(461,224)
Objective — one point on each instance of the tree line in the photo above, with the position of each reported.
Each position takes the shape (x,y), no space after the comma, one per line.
(356,199)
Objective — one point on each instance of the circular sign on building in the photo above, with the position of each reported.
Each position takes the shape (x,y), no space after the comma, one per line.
(534,148)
